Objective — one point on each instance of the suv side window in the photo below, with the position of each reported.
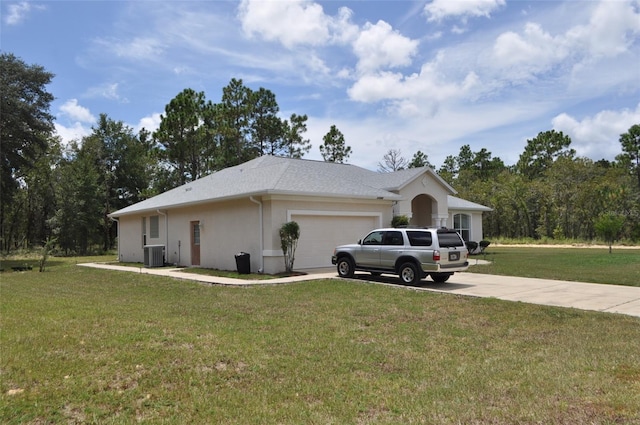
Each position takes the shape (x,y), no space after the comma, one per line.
(373,238)
(393,238)
(417,238)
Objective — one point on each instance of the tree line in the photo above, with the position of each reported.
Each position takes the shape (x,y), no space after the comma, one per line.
(52,191)
(550,193)
(62,194)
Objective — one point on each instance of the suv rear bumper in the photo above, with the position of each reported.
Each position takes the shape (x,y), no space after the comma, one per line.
(444,268)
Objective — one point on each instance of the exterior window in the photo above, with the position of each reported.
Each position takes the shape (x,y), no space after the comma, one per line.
(393,238)
(373,238)
(417,238)
(144,231)
(154,227)
(461,223)
(196,234)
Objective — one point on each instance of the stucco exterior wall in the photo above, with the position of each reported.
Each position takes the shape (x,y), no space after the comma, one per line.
(226,228)
(234,226)
(130,239)
(425,185)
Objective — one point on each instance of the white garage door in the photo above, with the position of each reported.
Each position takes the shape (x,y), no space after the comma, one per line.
(320,234)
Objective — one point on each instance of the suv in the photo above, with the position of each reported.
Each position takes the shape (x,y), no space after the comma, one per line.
(412,254)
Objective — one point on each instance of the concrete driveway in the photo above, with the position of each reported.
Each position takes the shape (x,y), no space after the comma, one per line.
(584,296)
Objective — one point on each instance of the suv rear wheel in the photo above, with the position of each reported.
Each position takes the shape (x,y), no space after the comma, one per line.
(440,277)
(409,274)
(345,267)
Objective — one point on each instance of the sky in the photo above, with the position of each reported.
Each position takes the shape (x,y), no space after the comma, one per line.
(427,76)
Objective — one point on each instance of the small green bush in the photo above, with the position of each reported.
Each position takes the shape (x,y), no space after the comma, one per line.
(289,235)
(399,221)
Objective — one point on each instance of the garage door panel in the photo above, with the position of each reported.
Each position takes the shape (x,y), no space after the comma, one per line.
(320,234)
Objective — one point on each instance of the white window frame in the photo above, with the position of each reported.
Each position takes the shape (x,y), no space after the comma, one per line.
(458,227)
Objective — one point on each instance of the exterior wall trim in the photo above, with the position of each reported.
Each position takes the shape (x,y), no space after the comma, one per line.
(377,215)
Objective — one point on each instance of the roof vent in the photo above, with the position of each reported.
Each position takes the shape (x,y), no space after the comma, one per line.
(187,189)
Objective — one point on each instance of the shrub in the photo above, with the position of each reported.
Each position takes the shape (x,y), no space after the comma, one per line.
(400,221)
(472,246)
(289,235)
(608,227)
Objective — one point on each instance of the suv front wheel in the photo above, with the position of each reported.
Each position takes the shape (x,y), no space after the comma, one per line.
(409,274)
(345,267)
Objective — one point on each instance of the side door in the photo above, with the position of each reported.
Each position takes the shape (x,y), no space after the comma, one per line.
(369,253)
(392,247)
(195,243)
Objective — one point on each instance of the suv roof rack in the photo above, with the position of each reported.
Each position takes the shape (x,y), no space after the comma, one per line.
(409,226)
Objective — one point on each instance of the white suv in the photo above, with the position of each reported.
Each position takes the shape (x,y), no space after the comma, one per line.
(412,254)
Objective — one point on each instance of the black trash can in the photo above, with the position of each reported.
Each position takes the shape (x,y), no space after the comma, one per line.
(243,262)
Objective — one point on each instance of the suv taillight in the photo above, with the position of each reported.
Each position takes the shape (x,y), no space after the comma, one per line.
(436,255)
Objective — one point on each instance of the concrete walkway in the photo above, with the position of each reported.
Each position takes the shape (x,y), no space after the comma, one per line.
(584,296)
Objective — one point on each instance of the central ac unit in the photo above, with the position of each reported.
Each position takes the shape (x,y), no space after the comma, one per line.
(154,255)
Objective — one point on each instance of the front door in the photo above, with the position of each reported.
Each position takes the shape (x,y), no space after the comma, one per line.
(195,243)
(369,253)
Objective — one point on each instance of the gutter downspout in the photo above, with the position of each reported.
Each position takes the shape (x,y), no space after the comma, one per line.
(118,232)
(166,235)
(261,270)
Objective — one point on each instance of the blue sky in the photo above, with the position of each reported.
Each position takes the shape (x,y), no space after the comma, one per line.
(406,75)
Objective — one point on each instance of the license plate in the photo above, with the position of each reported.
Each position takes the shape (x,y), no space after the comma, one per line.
(454,256)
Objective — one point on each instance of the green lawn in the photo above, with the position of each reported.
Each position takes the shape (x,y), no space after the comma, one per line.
(594,265)
(82,345)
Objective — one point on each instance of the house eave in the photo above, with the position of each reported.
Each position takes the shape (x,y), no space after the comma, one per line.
(265,193)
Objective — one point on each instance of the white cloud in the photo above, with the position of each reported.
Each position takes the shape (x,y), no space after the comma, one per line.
(530,53)
(611,31)
(74,132)
(458,30)
(107,91)
(18,12)
(75,112)
(149,123)
(343,31)
(598,136)
(419,92)
(296,22)
(438,10)
(380,46)
(78,122)
(289,22)
(136,49)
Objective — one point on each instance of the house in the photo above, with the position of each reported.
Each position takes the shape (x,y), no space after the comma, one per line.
(241,209)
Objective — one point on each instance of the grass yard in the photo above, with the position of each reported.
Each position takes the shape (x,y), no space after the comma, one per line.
(82,345)
(594,265)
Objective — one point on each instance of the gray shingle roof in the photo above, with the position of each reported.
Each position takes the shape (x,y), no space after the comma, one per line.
(463,204)
(269,175)
(398,179)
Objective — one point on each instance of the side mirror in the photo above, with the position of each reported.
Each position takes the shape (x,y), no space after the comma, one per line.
(359,241)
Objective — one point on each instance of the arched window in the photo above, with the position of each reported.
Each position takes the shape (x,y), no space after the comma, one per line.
(462,225)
